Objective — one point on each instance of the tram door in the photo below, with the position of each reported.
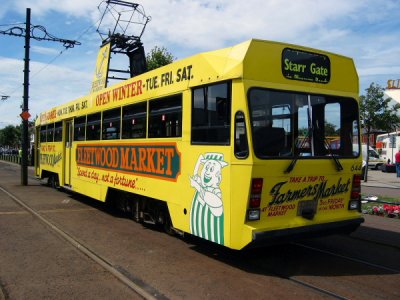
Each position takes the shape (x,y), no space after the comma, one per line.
(68,151)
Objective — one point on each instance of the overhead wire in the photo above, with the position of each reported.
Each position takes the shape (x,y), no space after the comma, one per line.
(54,58)
(12,24)
(65,49)
(62,51)
(94,25)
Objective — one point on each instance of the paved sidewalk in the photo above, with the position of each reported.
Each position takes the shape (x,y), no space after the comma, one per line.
(377,178)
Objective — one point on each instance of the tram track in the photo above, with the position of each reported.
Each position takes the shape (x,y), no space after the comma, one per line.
(323,265)
(307,285)
(380,268)
(141,288)
(316,288)
(376,242)
(356,260)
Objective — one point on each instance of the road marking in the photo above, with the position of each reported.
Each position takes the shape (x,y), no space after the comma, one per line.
(13,213)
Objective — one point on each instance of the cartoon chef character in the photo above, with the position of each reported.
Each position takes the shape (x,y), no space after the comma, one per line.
(207,212)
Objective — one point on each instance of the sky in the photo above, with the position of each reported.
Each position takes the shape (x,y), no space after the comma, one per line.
(366,30)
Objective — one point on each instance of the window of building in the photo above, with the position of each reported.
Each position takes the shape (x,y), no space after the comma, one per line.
(58,132)
(165,117)
(134,121)
(93,127)
(79,128)
(211,114)
(111,124)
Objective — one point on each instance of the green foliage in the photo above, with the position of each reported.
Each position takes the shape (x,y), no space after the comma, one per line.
(330,129)
(376,112)
(158,57)
(10,136)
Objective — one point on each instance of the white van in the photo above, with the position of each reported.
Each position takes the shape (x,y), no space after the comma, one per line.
(375,161)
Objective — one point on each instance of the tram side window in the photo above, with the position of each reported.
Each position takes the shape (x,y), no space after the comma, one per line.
(43,131)
(50,132)
(241,144)
(58,132)
(211,114)
(165,117)
(79,128)
(134,121)
(93,127)
(111,124)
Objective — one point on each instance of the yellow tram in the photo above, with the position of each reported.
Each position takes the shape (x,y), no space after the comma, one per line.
(231,145)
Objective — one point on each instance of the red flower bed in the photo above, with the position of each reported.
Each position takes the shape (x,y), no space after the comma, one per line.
(385,210)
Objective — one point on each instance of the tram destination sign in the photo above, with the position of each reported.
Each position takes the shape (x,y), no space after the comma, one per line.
(305,66)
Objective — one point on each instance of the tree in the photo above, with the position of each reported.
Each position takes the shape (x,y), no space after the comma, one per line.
(158,57)
(376,113)
(10,136)
(330,129)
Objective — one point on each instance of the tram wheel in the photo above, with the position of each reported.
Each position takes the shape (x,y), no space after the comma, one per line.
(168,228)
(129,208)
(53,181)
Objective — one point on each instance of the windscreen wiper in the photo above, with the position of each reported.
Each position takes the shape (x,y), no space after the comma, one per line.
(323,139)
(296,157)
(339,166)
(292,164)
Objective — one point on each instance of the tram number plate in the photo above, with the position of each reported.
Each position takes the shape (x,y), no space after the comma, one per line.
(307,207)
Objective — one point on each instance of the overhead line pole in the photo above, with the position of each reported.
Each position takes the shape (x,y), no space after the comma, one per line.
(25,107)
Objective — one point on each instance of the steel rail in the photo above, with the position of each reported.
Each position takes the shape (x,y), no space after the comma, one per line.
(360,261)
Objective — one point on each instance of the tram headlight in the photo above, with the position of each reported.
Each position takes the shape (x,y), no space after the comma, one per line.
(354,204)
(253,214)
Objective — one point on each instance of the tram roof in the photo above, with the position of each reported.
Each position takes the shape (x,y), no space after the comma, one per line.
(253,61)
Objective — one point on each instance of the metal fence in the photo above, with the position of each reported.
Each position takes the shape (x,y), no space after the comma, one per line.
(15,158)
